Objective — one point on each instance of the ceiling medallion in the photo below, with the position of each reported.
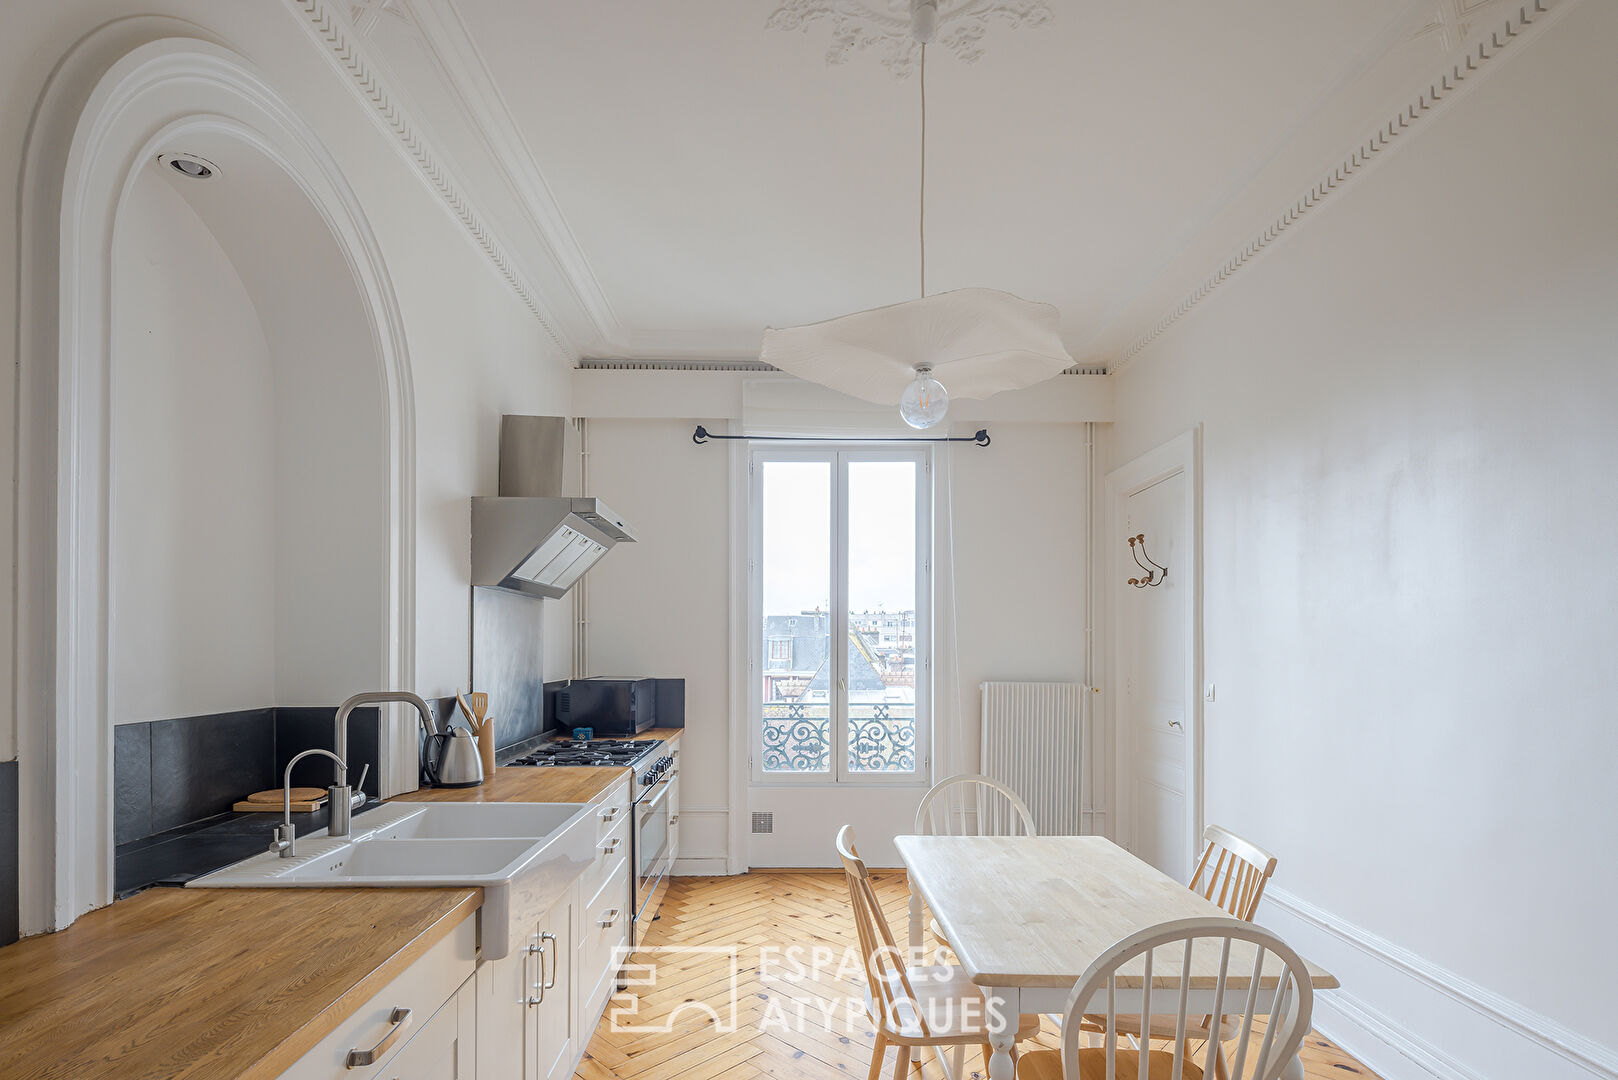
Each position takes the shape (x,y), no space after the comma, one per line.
(886,25)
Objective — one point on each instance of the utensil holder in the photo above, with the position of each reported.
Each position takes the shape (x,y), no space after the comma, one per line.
(485,737)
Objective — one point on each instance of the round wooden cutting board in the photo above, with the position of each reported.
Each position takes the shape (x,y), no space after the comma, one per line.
(299,794)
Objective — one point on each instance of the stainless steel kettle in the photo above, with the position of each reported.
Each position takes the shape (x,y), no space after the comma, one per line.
(452,759)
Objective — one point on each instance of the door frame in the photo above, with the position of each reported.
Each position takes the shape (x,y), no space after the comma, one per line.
(1181,455)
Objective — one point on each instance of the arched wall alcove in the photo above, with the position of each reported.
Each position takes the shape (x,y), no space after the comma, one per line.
(283,221)
(248,450)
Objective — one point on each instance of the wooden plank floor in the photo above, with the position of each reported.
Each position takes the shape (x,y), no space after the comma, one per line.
(792,1021)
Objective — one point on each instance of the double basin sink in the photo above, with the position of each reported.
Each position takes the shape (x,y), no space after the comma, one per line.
(523,855)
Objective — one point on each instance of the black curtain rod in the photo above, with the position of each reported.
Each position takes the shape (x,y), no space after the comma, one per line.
(702,435)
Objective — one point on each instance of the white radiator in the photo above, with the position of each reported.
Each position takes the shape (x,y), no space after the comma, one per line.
(1041,741)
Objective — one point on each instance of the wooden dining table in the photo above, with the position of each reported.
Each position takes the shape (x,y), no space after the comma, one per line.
(1027,915)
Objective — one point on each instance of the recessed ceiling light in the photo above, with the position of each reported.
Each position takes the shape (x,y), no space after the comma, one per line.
(192,166)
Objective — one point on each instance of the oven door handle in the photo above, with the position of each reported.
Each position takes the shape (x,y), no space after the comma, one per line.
(660,791)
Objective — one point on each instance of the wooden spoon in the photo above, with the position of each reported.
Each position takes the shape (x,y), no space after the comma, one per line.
(466,711)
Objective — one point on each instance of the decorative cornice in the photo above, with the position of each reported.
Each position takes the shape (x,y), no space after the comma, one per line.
(1441,89)
(449,46)
(857,25)
(334,33)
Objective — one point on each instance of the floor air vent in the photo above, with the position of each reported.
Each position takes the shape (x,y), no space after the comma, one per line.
(764,823)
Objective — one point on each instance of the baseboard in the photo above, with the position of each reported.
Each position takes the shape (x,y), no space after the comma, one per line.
(711,866)
(1447,1028)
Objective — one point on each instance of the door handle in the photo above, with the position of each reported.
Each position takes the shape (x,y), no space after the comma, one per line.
(533,950)
(611,845)
(399,1019)
(543,984)
(1176,724)
(609,917)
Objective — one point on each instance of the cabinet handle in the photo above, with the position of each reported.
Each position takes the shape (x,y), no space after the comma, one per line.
(532,950)
(609,813)
(543,985)
(609,917)
(400,1019)
(611,845)
(674,819)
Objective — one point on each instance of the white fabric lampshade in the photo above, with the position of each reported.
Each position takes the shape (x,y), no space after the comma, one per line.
(978,341)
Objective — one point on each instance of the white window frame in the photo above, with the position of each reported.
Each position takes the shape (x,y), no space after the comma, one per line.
(839,456)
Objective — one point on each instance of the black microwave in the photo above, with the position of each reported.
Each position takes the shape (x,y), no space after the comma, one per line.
(619,705)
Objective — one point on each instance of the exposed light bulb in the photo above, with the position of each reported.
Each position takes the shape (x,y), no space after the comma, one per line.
(923,20)
(925,401)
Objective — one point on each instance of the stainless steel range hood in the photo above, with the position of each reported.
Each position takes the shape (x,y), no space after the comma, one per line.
(531,538)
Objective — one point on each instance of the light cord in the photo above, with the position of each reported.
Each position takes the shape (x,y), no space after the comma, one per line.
(922,224)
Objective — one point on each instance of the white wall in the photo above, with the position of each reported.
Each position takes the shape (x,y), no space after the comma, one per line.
(661,606)
(194,481)
(1409,504)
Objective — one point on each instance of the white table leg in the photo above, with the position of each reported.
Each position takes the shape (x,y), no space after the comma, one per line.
(1003,1015)
(915,924)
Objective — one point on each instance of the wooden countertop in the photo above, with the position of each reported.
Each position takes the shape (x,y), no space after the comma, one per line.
(523,783)
(204,983)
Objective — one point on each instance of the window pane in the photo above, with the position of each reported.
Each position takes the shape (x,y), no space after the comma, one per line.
(882,616)
(796,579)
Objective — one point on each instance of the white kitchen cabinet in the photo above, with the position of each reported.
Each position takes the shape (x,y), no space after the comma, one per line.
(387,1027)
(556,1013)
(525,1011)
(538,1005)
(445,1048)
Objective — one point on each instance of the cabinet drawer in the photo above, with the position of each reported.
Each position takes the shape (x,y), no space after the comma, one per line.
(611,860)
(373,1028)
(603,928)
(613,809)
(444,1049)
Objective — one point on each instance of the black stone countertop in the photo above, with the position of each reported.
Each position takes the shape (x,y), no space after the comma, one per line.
(175,857)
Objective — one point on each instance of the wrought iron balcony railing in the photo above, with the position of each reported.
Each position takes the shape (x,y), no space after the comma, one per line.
(881,737)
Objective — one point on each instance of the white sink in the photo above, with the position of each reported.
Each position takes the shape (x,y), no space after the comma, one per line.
(414,862)
(534,850)
(455,821)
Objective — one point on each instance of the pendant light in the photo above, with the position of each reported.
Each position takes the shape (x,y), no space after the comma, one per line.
(966,343)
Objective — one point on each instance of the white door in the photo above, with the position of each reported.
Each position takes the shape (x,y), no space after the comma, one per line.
(1156,658)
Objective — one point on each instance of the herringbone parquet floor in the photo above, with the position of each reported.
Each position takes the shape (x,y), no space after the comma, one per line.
(799,1015)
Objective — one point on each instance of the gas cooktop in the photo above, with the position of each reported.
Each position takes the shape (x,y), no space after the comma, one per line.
(595,752)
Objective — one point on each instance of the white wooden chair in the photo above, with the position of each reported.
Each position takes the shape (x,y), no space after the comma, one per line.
(971,805)
(933,1006)
(1256,1055)
(1231,873)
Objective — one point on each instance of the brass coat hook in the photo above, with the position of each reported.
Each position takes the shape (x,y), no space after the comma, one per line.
(1155,574)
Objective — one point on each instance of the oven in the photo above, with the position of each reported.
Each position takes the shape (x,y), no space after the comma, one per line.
(655,838)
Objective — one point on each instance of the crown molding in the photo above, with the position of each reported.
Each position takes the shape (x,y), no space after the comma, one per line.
(449,46)
(1479,46)
(343,45)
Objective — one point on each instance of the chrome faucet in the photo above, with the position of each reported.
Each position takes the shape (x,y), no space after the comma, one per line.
(342,796)
(286,837)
